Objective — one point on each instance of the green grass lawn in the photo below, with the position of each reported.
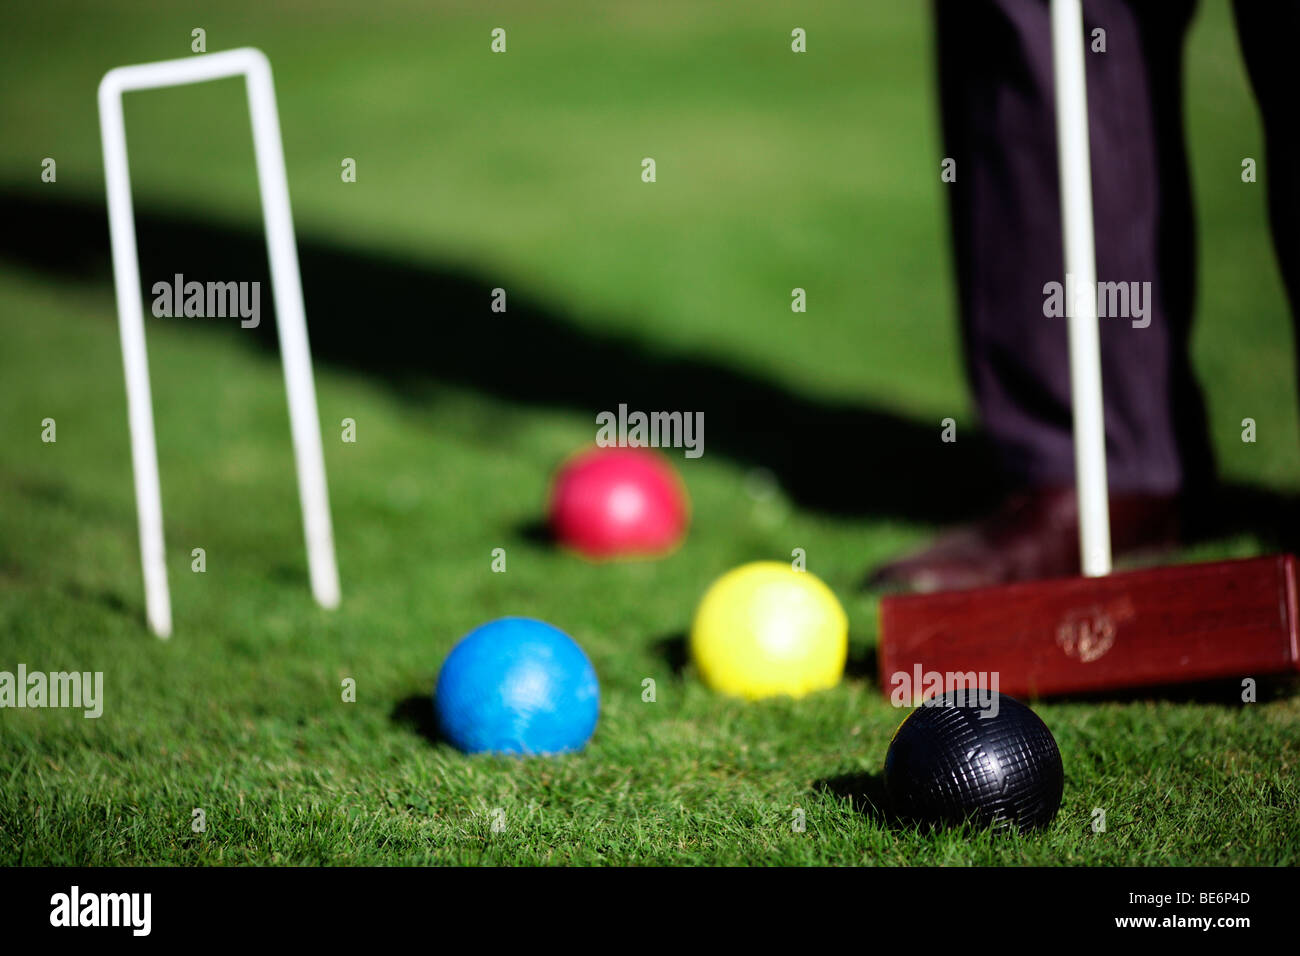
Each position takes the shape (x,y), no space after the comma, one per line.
(522,171)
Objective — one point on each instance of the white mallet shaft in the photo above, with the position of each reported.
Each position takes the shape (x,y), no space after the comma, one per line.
(1081,278)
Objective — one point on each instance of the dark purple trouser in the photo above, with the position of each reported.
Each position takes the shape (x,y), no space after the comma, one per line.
(996,88)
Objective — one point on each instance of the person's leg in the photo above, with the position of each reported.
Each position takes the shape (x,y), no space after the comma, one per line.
(996,92)
(999,124)
(1267,32)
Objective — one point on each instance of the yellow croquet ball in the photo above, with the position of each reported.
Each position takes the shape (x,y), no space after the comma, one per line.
(765,629)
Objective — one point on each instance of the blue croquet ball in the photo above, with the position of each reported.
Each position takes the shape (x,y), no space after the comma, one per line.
(519,686)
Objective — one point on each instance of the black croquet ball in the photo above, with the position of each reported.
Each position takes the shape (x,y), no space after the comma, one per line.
(953,760)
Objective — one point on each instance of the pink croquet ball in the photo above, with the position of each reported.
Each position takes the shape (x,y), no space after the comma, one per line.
(618,502)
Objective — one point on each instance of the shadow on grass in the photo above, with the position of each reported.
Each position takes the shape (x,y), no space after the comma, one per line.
(415,713)
(869,797)
(866,792)
(105,599)
(412,326)
(1222,693)
(536,532)
(675,650)
(862,664)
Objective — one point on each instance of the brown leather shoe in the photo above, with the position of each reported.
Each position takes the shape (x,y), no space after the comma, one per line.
(1032,535)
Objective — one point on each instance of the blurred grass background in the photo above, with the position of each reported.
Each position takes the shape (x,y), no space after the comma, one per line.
(523,171)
